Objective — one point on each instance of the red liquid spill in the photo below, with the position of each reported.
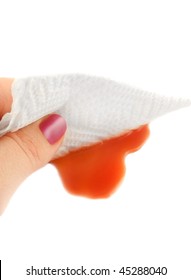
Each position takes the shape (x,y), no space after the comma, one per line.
(95,171)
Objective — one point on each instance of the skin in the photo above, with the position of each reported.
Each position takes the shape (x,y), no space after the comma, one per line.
(22,152)
(5,95)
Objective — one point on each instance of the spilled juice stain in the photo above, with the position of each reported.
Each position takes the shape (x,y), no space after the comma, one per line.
(95,171)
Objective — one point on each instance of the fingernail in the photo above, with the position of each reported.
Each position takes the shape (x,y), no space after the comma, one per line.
(53,128)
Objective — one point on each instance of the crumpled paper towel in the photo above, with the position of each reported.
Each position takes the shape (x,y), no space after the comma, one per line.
(95,108)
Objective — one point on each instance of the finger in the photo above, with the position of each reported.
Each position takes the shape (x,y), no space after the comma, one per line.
(26,150)
(5,95)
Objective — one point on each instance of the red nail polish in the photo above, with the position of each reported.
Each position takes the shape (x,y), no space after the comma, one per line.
(53,128)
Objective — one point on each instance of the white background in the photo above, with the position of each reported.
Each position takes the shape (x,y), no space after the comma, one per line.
(147,221)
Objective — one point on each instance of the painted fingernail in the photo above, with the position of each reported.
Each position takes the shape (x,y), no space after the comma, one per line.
(53,128)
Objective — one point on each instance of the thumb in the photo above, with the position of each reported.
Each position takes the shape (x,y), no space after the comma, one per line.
(26,150)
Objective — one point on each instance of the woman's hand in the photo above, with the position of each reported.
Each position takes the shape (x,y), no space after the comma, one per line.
(26,150)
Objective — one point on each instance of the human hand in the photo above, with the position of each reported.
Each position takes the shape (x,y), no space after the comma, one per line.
(26,150)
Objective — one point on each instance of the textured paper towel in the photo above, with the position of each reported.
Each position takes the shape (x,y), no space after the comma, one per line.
(94,108)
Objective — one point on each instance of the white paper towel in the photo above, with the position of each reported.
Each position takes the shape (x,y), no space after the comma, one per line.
(95,108)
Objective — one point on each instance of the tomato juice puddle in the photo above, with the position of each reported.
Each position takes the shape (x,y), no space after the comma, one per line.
(95,171)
